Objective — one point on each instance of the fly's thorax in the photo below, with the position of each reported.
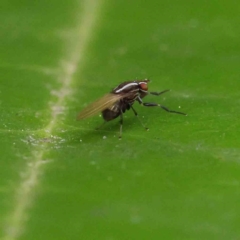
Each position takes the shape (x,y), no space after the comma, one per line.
(131,99)
(131,87)
(143,94)
(126,87)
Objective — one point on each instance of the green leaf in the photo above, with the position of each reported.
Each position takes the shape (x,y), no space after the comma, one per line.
(62,179)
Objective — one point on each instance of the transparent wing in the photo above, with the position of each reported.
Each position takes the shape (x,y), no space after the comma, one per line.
(105,102)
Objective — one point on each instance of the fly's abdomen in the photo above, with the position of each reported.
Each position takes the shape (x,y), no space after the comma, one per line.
(109,114)
(118,108)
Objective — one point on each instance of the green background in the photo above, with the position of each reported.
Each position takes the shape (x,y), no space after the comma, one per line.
(61,179)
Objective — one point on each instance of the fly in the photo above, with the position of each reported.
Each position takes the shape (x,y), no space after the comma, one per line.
(120,99)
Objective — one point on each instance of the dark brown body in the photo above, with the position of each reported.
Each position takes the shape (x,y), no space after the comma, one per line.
(134,89)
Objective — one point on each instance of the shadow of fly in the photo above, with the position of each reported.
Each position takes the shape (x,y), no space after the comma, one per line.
(120,99)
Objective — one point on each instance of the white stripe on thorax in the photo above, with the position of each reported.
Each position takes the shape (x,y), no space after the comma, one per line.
(126,86)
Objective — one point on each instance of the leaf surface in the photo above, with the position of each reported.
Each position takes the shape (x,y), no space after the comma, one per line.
(61,179)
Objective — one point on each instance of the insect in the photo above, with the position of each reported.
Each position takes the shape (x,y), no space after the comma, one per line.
(120,99)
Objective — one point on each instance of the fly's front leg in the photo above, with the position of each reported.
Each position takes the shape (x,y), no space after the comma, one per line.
(136,114)
(159,93)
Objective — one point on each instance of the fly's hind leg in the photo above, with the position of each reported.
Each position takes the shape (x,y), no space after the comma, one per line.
(99,127)
(121,124)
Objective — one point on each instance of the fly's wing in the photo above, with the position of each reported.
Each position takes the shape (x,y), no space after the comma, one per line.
(105,102)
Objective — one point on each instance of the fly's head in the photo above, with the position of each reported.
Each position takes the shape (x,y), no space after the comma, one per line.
(143,87)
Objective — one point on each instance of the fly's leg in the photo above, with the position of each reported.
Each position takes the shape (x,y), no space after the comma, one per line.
(97,128)
(159,93)
(158,105)
(121,124)
(136,114)
(163,107)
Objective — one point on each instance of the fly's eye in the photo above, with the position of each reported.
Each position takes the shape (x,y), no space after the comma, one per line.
(144,86)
